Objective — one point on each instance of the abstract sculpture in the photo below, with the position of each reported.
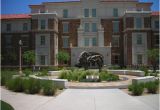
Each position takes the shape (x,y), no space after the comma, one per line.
(87,58)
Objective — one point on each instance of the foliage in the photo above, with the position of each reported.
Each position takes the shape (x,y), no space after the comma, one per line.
(27,72)
(6,106)
(48,87)
(136,89)
(153,55)
(152,87)
(29,57)
(6,75)
(62,56)
(105,76)
(80,75)
(145,69)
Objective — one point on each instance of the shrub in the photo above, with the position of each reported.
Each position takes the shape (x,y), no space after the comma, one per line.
(48,88)
(6,75)
(114,67)
(152,87)
(32,86)
(105,76)
(136,89)
(15,84)
(145,69)
(27,72)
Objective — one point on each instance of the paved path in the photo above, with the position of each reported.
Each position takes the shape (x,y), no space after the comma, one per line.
(76,99)
(152,100)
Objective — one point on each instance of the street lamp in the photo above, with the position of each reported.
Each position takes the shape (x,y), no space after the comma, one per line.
(20,57)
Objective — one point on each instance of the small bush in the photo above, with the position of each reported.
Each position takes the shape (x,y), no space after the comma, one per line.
(105,76)
(114,67)
(48,88)
(27,72)
(136,89)
(15,84)
(32,86)
(152,87)
(145,69)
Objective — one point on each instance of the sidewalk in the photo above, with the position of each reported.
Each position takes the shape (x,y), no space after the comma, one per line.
(76,99)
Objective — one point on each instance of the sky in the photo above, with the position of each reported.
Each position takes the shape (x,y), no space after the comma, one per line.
(21,6)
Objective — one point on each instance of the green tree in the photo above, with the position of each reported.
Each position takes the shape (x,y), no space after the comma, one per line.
(62,57)
(153,55)
(29,57)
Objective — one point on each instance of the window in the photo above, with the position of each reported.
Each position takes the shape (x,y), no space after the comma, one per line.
(25,26)
(25,41)
(86,12)
(43,40)
(115,26)
(156,24)
(8,27)
(8,40)
(94,13)
(94,41)
(86,27)
(157,39)
(138,22)
(43,24)
(65,27)
(94,27)
(115,12)
(65,42)
(115,41)
(139,39)
(65,13)
(42,60)
(139,59)
(86,41)
(116,59)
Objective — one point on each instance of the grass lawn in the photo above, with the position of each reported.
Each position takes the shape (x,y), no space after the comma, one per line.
(5,106)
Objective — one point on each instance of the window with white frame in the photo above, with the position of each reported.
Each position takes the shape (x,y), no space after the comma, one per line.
(42,40)
(115,12)
(139,58)
(94,27)
(86,12)
(86,42)
(65,42)
(65,27)
(42,60)
(115,26)
(94,12)
(94,41)
(138,21)
(65,13)
(115,41)
(43,24)
(139,39)
(86,27)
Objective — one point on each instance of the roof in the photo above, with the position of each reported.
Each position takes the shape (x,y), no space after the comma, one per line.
(15,16)
(119,0)
(155,13)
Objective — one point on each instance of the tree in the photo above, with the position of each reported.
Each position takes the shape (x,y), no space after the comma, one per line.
(153,55)
(29,57)
(62,57)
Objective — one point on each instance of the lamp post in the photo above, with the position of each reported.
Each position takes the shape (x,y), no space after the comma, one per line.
(20,57)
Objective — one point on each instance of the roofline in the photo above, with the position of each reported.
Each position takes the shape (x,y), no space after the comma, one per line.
(118,1)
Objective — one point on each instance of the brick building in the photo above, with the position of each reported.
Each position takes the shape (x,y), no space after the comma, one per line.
(120,30)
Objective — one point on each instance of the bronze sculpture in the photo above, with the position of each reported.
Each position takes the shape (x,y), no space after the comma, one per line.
(87,58)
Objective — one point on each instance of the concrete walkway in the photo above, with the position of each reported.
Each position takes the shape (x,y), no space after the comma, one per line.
(76,99)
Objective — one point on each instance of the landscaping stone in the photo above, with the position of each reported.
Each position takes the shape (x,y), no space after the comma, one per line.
(127,72)
(143,79)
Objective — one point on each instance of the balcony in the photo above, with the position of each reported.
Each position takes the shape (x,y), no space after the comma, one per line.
(136,11)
